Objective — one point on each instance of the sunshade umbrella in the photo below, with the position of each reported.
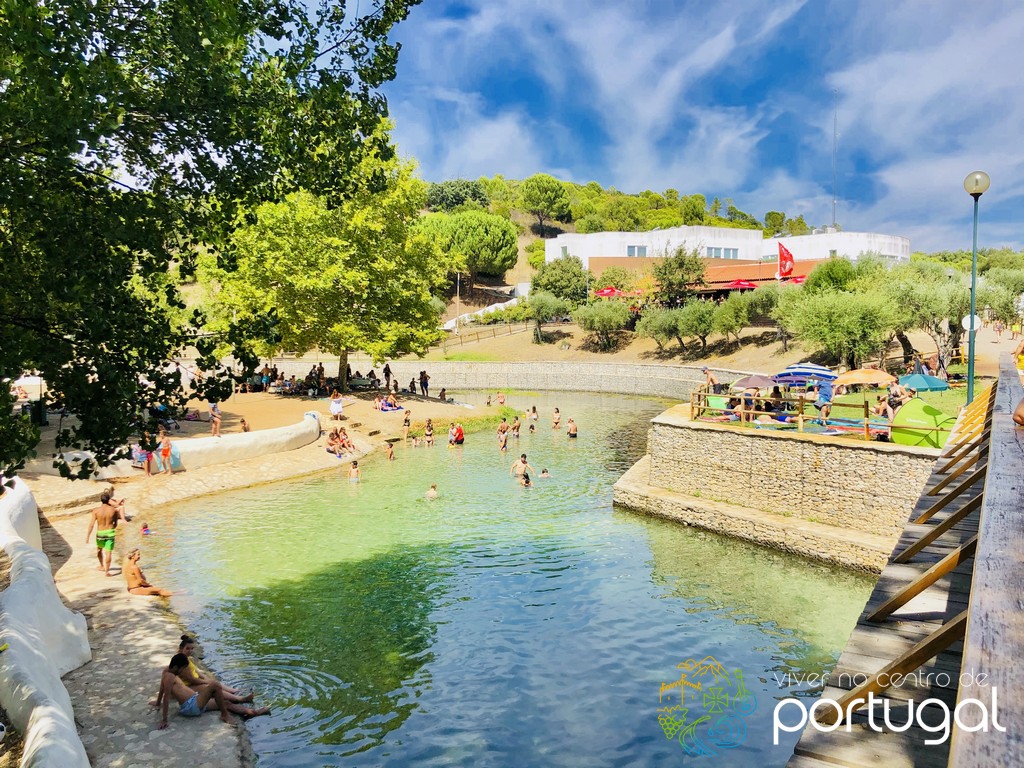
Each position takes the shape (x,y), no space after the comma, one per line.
(740,285)
(923,382)
(758,380)
(795,280)
(611,292)
(864,376)
(800,373)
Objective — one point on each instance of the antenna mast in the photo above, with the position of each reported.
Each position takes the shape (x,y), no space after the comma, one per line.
(835,143)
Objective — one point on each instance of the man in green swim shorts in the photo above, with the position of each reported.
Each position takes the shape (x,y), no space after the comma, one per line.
(105,518)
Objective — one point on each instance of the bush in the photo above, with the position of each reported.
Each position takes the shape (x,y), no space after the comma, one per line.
(602,318)
(535,254)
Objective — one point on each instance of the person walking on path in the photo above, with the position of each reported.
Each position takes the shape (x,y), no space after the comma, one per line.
(387,376)
(214,420)
(105,518)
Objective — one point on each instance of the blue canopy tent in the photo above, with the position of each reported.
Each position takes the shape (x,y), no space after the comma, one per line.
(923,383)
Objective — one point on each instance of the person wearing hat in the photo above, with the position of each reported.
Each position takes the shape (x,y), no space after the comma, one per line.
(711,381)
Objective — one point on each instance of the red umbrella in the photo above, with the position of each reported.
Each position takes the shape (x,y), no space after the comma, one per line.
(740,285)
(796,280)
(611,292)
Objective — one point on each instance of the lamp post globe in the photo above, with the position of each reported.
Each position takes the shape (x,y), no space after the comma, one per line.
(976,184)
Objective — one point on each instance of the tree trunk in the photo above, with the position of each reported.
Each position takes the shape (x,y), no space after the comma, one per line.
(343,371)
(682,346)
(703,345)
(540,332)
(540,223)
(908,348)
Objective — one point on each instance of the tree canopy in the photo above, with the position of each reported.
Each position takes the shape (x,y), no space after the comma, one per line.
(358,276)
(455,193)
(564,278)
(602,318)
(486,242)
(678,274)
(544,196)
(130,136)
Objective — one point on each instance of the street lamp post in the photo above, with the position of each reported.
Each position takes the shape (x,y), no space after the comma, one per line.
(976,184)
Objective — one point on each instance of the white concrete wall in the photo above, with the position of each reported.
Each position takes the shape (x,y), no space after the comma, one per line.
(45,640)
(848,244)
(206,451)
(750,244)
(661,242)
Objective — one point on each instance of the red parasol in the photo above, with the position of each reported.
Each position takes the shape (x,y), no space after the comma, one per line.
(796,280)
(611,292)
(740,285)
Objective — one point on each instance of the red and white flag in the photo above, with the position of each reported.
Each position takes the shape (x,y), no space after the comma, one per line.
(785,261)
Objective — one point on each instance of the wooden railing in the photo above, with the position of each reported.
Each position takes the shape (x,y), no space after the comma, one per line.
(699,406)
(484,332)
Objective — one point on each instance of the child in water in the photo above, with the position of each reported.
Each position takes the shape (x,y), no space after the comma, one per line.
(354,472)
(525,481)
(389,451)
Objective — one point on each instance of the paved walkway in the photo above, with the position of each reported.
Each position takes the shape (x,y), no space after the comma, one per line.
(133,637)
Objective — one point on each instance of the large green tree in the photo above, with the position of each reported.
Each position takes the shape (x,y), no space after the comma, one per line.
(132,133)
(545,197)
(602,318)
(455,193)
(565,278)
(356,277)
(487,243)
(678,274)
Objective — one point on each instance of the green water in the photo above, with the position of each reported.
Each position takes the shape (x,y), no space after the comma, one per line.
(496,625)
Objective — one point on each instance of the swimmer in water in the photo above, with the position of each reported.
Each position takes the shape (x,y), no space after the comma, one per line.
(572,428)
(432,491)
(525,481)
(545,473)
(354,472)
(556,419)
(389,451)
(532,429)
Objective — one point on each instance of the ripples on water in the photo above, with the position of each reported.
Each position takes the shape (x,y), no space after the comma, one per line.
(496,626)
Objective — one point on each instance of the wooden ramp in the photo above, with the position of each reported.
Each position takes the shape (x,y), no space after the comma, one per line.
(908,643)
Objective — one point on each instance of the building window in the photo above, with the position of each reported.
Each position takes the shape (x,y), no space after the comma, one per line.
(636,250)
(715,253)
(832,254)
(731,253)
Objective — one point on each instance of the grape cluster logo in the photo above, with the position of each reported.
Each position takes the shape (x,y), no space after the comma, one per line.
(706,708)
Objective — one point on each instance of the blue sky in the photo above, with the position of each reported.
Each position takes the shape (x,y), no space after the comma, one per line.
(731,100)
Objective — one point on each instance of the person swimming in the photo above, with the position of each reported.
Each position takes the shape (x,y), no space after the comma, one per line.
(524,480)
(354,472)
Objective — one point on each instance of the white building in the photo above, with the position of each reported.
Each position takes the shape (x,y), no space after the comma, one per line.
(724,243)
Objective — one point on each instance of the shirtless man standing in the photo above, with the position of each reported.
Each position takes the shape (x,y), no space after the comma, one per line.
(192,703)
(136,579)
(520,466)
(105,518)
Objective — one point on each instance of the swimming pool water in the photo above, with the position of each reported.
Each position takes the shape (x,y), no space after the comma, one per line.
(495,625)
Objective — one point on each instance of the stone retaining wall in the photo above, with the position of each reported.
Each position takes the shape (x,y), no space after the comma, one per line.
(45,640)
(675,381)
(868,487)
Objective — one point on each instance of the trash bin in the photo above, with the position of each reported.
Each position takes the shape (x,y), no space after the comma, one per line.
(39,413)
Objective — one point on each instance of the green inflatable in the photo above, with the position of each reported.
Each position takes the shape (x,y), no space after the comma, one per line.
(915,423)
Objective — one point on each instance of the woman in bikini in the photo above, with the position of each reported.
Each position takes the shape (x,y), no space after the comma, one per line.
(428,433)
(406,422)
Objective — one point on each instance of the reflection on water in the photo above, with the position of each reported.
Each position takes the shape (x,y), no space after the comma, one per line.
(496,626)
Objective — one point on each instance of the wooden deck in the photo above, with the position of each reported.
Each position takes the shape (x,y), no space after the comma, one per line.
(916,619)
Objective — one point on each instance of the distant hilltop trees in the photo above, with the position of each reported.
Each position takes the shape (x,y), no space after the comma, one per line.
(593,208)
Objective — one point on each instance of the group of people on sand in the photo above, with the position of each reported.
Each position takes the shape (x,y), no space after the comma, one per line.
(339,443)
(197,692)
(104,519)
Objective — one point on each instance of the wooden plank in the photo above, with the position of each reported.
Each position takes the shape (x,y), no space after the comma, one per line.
(937,530)
(981,442)
(937,641)
(994,643)
(974,477)
(934,491)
